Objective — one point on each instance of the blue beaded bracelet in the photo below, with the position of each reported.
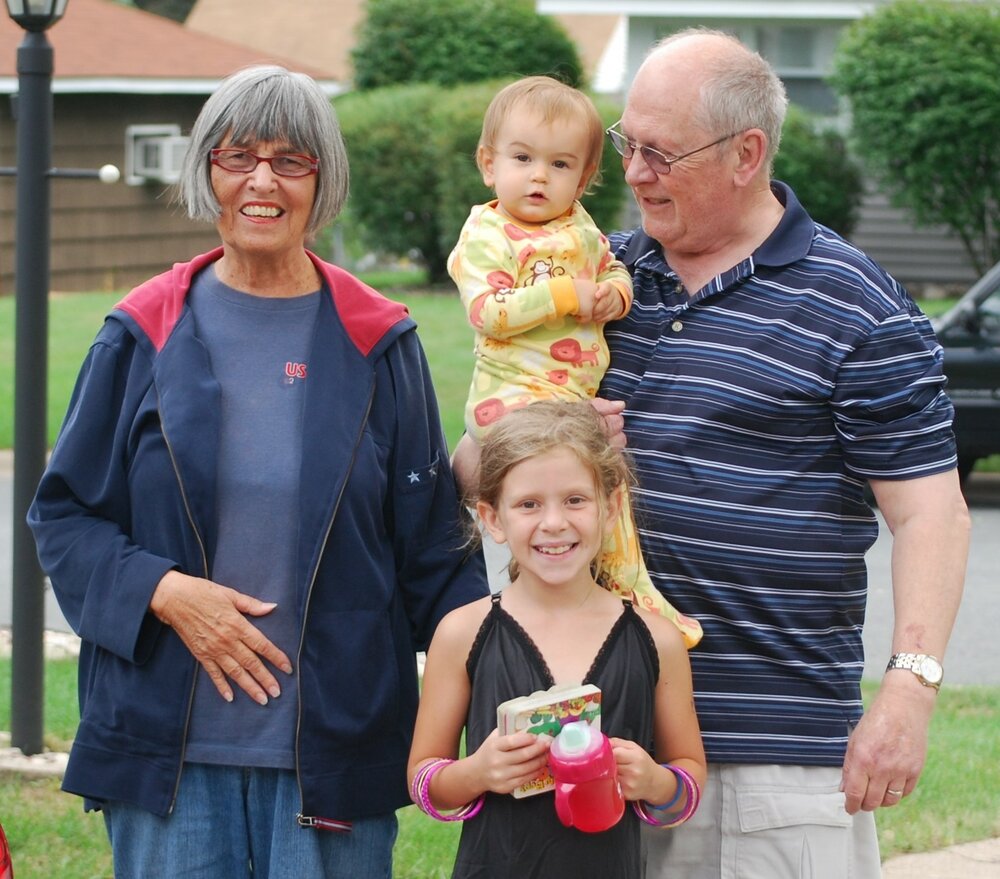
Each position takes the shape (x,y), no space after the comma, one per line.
(678,791)
(690,786)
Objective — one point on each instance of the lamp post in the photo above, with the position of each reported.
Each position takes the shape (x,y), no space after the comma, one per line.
(34,158)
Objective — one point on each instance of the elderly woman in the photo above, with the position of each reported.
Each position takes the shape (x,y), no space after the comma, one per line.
(250,520)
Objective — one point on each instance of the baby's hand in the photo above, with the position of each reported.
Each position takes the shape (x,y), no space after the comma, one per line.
(637,771)
(607,303)
(504,763)
(586,296)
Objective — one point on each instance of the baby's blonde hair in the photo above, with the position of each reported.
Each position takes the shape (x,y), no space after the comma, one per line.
(542,427)
(554,101)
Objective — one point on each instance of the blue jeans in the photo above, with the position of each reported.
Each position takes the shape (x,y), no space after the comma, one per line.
(233,823)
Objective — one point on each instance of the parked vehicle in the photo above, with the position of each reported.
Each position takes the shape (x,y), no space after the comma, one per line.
(969,332)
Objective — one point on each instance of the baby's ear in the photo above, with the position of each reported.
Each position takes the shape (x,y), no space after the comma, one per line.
(588,175)
(484,160)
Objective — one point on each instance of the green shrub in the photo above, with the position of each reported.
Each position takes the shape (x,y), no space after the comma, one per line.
(394,170)
(458,120)
(452,42)
(816,164)
(606,201)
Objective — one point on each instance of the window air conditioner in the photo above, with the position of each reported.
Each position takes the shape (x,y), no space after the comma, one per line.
(154,153)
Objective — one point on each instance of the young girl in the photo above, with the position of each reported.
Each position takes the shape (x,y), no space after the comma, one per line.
(550,488)
(538,280)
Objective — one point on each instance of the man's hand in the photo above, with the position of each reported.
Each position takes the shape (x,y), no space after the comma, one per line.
(929,522)
(211,621)
(614,422)
(887,750)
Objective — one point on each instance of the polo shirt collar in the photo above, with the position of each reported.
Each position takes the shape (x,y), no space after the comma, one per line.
(792,237)
(788,243)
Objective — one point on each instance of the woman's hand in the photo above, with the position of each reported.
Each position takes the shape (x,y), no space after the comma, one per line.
(503,763)
(211,621)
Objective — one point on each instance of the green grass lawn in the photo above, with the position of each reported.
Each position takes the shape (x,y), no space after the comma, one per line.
(956,800)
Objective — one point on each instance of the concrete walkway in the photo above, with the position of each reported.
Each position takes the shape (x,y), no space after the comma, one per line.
(973,860)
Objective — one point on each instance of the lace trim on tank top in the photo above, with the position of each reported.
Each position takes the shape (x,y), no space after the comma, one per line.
(498,616)
(628,617)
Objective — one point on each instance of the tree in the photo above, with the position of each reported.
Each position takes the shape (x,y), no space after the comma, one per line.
(815,163)
(923,80)
(453,42)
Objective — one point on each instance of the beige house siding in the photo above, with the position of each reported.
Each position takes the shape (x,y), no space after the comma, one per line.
(103,237)
(927,260)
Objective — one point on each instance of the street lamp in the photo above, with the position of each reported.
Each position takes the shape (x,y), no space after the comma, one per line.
(32,233)
(36,16)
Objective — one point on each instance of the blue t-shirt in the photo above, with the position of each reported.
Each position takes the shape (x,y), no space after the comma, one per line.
(259,349)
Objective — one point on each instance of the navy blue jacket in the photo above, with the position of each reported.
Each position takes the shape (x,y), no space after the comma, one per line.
(129,493)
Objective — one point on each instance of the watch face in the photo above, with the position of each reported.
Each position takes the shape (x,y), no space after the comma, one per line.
(930,669)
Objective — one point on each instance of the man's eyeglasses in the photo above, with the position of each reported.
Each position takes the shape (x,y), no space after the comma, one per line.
(284,164)
(659,162)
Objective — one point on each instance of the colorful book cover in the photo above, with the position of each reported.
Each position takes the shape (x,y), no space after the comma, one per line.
(545,712)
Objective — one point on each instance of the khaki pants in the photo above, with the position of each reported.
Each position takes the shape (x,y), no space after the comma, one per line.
(767,822)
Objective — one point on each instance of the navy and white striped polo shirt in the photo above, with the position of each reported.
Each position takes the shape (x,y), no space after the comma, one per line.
(756,410)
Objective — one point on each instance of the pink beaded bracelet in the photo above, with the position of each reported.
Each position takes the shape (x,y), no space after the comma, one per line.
(420,793)
(693,799)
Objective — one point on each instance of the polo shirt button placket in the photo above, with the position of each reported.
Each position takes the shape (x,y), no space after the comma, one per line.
(676,325)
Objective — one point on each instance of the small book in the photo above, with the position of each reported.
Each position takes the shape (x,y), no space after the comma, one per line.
(545,712)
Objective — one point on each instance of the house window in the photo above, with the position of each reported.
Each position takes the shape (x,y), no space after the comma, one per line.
(800,52)
(795,48)
(802,56)
(154,153)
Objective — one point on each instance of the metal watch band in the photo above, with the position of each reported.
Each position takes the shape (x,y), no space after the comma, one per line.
(920,664)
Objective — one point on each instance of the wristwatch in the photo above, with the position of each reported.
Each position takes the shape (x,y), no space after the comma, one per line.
(928,670)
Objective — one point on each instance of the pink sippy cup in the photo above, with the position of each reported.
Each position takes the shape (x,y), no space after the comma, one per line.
(588,793)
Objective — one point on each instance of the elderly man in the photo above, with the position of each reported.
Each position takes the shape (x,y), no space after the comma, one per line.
(769,370)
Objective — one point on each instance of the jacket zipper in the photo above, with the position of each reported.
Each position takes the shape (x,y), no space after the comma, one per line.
(204,564)
(330,824)
(307,820)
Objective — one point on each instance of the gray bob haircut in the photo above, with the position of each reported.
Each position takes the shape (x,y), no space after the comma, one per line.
(267,103)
